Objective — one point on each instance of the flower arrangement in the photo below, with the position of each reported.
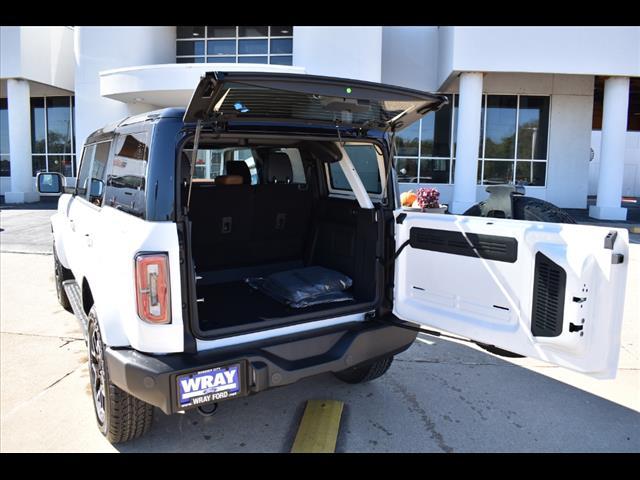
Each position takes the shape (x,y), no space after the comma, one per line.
(428,198)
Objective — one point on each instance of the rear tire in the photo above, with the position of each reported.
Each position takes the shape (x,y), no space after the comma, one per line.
(121,417)
(524,208)
(60,275)
(365,373)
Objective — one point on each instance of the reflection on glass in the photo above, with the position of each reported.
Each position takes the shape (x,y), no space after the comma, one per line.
(281,60)
(5,166)
(282,45)
(407,169)
(253,31)
(38,164)
(365,161)
(497,172)
(221,59)
(281,31)
(252,46)
(221,47)
(407,141)
(58,125)
(501,126)
(436,133)
(4,126)
(61,164)
(252,59)
(531,173)
(533,126)
(190,60)
(189,32)
(38,134)
(434,170)
(220,32)
(190,48)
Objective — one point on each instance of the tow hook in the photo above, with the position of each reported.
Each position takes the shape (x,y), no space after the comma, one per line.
(208,410)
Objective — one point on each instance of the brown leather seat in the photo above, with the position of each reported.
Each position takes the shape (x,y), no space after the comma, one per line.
(229,180)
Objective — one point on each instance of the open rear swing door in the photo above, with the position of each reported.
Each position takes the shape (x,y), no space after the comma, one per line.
(549,291)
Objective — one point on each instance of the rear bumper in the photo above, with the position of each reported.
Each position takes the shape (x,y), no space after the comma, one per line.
(152,378)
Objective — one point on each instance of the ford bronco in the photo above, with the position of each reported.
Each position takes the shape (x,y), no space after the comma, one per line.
(256,238)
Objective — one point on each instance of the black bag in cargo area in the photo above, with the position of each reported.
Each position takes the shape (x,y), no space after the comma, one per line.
(304,287)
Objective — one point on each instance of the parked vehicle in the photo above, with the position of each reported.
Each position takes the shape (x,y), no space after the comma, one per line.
(287,253)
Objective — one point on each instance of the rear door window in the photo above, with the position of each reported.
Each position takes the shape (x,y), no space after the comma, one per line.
(365,161)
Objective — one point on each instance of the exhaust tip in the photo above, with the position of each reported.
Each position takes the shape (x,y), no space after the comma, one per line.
(208,410)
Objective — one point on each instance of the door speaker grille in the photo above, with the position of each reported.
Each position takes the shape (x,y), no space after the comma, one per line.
(548,297)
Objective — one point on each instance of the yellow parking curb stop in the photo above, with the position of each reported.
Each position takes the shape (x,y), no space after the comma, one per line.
(318,430)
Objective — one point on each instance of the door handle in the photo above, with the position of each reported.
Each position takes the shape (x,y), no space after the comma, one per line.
(72,225)
(89,240)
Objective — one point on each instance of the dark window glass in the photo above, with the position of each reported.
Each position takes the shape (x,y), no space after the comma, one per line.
(221,32)
(252,47)
(126,180)
(5,166)
(434,170)
(497,172)
(501,126)
(252,59)
(282,45)
(533,128)
(365,161)
(38,164)
(189,32)
(98,173)
(85,168)
(407,141)
(221,47)
(61,164)
(281,31)
(407,170)
(633,122)
(190,48)
(38,134)
(531,173)
(436,133)
(58,125)
(4,126)
(281,60)
(190,60)
(221,59)
(253,31)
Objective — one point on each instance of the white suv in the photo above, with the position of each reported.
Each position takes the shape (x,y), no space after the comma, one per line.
(257,238)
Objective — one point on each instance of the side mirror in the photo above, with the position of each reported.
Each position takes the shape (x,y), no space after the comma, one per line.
(50,182)
(96,189)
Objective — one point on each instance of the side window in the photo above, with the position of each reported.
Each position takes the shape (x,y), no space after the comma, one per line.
(365,161)
(98,170)
(126,185)
(85,169)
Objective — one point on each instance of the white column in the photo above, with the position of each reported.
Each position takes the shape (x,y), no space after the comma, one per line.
(614,129)
(467,142)
(22,184)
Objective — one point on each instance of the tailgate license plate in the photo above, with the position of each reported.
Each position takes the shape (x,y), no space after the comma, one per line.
(211,385)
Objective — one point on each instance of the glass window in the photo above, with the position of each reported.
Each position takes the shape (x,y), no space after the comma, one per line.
(531,173)
(282,45)
(434,170)
(365,161)
(5,166)
(221,59)
(253,31)
(407,169)
(252,46)
(221,47)
(62,164)
(436,133)
(252,59)
(221,32)
(407,141)
(498,172)
(98,170)
(125,186)
(281,60)
(501,126)
(189,32)
(190,60)
(190,48)
(281,31)
(4,126)
(38,164)
(85,169)
(533,126)
(58,125)
(38,134)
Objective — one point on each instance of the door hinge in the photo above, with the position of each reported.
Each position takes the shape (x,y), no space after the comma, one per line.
(617,258)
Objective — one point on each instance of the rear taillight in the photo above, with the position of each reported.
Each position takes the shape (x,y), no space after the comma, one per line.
(152,287)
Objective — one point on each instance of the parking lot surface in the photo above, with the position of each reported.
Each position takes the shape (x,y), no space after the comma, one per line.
(439,396)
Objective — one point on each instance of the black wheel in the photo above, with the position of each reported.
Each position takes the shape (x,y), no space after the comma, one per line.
(121,417)
(366,372)
(60,275)
(524,208)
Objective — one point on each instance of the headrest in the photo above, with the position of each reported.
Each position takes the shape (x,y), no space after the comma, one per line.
(277,168)
(239,168)
(229,180)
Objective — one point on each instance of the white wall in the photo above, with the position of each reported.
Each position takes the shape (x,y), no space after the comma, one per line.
(349,52)
(569,134)
(39,54)
(410,57)
(631,179)
(570,50)
(103,48)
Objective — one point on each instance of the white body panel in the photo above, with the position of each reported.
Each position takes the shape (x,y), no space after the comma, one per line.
(459,293)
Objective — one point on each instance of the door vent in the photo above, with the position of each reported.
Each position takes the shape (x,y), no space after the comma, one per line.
(549,286)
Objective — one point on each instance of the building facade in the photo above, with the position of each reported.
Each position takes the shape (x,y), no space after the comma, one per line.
(556,109)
